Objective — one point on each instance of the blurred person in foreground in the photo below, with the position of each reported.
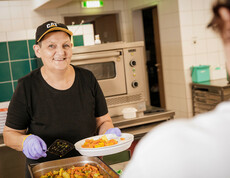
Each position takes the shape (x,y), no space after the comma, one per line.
(190,148)
(55,101)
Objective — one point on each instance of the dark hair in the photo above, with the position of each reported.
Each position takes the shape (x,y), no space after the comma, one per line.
(217,23)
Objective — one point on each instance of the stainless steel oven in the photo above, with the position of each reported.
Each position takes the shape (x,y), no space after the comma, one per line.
(119,69)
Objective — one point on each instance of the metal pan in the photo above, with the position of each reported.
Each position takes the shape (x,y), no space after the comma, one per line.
(37,170)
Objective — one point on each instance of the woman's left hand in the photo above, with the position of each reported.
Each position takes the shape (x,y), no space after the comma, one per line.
(115,130)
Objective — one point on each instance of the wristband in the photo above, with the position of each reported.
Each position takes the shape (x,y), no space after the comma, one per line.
(25,139)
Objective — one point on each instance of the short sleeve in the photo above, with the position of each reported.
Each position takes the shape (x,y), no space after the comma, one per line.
(100,103)
(18,116)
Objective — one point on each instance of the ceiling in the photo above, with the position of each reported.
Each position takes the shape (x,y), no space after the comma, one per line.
(49,4)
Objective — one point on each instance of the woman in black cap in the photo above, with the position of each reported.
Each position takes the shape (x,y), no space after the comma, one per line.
(56,101)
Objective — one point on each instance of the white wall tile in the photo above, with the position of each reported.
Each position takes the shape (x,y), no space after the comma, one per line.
(186,33)
(5,13)
(175,62)
(3,37)
(198,4)
(171,34)
(185,5)
(25,11)
(4,4)
(213,59)
(188,48)
(5,25)
(208,4)
(199,31)
(213,45)
(179,91)
(170,20)
(167,78)
(29,23)
(222,58)
(17,35)
(171,49)
(16,12)
(211,34)
(15,3)
(17,24)
(198,17)
(186,18)
(178,76)
(200,46)
(201,59)
(189,60)
(167,6)
(188,89)
(30,34)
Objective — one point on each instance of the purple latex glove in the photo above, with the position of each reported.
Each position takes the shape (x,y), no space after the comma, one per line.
(34,147)
(115,130)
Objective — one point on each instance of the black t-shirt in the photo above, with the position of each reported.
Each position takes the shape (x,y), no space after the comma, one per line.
(57,114)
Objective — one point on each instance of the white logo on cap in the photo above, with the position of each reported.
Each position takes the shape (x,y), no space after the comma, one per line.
(51,24)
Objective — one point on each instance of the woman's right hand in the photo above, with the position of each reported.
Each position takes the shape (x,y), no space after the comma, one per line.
(34,147)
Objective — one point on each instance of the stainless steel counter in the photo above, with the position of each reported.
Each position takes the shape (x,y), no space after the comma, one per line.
(141,125)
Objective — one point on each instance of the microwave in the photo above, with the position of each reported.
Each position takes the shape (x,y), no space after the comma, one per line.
(119,70)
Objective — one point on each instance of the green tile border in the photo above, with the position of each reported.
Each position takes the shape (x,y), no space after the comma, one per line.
(3,52)
(18,50)
(20,69)
(6,91)
(5,72)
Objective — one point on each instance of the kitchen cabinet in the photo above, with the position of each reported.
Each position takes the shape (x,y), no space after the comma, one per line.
(206,95)
(12,162)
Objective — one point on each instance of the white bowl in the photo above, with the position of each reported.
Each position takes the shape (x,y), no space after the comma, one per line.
(107,150)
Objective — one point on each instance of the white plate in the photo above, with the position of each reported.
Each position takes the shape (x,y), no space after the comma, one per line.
(107,150)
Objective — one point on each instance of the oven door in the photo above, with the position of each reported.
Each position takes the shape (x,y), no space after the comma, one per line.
(108,68)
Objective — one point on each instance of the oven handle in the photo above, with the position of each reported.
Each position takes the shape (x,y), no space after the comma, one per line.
(78,57)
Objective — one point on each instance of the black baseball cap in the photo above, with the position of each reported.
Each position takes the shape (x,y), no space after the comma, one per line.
(50,26)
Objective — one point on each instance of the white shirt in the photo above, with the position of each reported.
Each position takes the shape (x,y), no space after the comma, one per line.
(185,148)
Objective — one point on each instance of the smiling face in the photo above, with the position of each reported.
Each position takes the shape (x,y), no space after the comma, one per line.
(55,50)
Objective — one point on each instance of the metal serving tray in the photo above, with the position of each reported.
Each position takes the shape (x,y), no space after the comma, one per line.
(37,170)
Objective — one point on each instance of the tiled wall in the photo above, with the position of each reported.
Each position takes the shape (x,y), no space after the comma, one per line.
(17,57)
(16,60)
(185,42)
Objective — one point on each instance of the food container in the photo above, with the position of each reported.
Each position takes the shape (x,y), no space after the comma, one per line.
(129,113)
(107,150)
(37,170)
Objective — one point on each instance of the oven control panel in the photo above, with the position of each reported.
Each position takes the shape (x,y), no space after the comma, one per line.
(134,66)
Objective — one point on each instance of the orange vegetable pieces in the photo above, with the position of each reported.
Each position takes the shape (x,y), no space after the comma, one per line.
(122,138)
(101,142)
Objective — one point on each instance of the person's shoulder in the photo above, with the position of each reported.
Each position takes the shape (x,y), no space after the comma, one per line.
(30,76)
(83,72)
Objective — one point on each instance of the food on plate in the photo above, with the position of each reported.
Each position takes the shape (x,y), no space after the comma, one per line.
(101,142)
(86,171)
